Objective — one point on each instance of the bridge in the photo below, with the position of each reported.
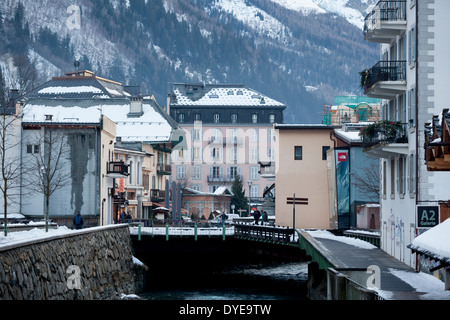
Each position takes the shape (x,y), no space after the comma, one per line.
(175,229)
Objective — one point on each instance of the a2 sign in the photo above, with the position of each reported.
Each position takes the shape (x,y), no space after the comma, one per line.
(427,216)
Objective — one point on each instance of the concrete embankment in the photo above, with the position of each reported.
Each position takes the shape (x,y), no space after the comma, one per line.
(93,263)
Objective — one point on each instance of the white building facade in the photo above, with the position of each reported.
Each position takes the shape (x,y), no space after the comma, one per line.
(411,79)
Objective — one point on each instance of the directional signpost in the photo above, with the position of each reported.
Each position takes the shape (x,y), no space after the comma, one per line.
(295,201)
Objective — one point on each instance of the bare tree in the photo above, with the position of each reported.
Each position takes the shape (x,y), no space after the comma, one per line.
(9,158)
(368,181)
(48,169)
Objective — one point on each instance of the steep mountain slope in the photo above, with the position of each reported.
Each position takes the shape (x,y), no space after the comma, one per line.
(300,52)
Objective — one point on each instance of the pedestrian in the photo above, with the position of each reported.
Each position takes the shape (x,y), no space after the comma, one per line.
(257,215)
(128,217)
(78,221)
(265,217)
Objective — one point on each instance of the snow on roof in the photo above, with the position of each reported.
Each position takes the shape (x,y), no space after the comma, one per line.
(221,95)
(72,89)
(435,242)
(150,126)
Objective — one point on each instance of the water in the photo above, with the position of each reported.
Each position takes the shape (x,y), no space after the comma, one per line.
(276,281)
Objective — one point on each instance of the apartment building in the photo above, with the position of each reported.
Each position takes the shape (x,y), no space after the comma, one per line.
(229,133)
(411,78)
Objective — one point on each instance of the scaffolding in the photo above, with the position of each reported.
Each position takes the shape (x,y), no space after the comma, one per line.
(351,109)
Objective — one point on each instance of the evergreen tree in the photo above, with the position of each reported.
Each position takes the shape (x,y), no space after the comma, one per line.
(239,199)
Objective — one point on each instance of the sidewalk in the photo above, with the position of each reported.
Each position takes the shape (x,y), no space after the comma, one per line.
(398,281)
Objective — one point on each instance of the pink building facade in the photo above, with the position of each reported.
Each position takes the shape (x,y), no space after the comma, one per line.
(229,132)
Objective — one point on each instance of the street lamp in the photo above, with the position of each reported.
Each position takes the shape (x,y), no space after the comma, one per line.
(232,208)
(249,197)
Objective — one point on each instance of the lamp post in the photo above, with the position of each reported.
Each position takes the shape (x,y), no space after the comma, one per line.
(232,208)
(249,197)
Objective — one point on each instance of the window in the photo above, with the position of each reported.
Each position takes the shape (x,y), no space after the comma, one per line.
(181,172)
(254,118)
(181,118)
(197,187)
(271,118)
(216,118)
(271,136)
(401,176)
(196,134)
(384,180)
(216,153)
(196,173)
(392,178)
(298,153)
(412,45)
(32,148)
(254,173)
(196,153)
(411,108)
(233,151)
(254,135)
(271,153)
(197,117)
(324,152)
(233,172)
(234,117)
(253,154)
(412,174)
(254,191)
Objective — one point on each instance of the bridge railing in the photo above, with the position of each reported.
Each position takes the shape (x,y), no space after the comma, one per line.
(265,233)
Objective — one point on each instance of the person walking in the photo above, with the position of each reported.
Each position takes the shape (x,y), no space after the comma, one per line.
(257,215)
(78,221)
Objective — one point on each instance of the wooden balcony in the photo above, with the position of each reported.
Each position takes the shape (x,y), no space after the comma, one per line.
(437,143)
(163,169)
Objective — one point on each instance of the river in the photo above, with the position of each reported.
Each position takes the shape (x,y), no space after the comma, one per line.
(265,281)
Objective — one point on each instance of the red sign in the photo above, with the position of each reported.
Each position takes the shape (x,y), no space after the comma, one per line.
(121,185)
(342,156)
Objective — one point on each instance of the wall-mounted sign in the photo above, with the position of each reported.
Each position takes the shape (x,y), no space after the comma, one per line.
(427,216)
(342,156)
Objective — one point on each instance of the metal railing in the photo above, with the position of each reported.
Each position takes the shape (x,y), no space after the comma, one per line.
(385,11)
(386,71)
(386,136)
(265,233)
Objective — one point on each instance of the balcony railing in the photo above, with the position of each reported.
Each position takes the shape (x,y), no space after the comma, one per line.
(225,178)
(163,169)
(385,11)
(384,71)
(118,168)
(384,131)
(157,195)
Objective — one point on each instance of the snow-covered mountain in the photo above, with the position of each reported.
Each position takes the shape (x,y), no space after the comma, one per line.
(301,52)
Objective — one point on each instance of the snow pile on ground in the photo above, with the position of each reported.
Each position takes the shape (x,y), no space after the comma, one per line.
(433,287)
(17,237)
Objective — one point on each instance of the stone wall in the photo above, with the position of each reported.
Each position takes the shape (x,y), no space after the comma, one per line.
(93,263)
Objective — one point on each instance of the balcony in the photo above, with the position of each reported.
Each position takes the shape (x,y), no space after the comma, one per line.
(267,170)
(385,139)
(222,179)
(386,21)
(117,169)
(385,80)
(163,169)
(157,195)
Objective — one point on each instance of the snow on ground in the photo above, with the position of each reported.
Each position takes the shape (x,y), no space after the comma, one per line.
(352,241)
